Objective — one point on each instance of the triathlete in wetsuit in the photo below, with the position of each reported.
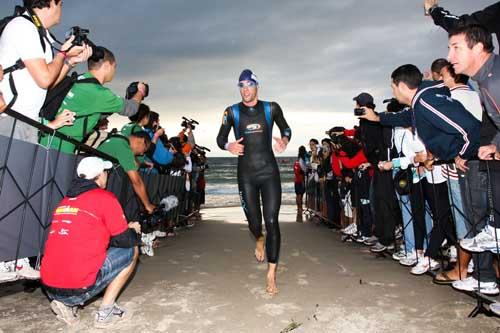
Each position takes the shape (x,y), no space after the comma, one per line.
(258,172)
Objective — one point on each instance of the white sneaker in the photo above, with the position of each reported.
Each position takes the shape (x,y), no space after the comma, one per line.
(147,241)
(453,254)
(25,271)
(399,254)
(410,259)
(6,273)
(160,234)
(486,240)
(351,229)
(470,267)
(495,308)
(471,284)
(424,265)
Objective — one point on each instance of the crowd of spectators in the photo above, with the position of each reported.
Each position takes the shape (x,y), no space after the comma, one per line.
(72,110)
(420,180)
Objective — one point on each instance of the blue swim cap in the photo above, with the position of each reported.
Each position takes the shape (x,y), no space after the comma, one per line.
(248,75)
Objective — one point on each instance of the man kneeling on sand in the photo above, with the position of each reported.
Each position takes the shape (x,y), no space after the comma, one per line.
(90,247)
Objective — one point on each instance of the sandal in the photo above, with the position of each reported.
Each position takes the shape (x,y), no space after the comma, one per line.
(446,279)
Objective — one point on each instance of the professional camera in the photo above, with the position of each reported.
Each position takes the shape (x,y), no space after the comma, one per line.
(149,222)
(81,36)
(186,122)
(359,112)
(133,88)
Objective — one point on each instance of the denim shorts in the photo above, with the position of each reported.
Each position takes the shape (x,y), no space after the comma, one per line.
(117,259)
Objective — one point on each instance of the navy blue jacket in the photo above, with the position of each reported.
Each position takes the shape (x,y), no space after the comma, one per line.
(444,125)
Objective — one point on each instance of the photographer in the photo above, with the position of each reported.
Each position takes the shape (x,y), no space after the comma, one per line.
(90,247)
(91,100)
(138,121)
(161,157)
(26,39)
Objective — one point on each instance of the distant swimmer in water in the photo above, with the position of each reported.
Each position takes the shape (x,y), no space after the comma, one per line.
(258,172)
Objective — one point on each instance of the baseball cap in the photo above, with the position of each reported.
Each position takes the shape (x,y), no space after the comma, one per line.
(248,75)
(91,167)
(364,99)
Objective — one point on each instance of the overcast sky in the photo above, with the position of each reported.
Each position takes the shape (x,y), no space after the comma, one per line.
(312,57)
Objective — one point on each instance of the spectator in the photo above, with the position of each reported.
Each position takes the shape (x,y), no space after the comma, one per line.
(91,100)
(90,247)
(125,151)
(21,40)
(161,156)
(138,121)
(437,67)
(471,53)
(299,170)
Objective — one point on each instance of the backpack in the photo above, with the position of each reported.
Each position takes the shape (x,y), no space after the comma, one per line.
(18,12)
(236,116)
(56,95)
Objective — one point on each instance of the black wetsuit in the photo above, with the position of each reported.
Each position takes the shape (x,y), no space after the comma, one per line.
(258,172)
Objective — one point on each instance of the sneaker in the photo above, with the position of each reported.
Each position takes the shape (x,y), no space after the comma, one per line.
(424,265)
(371,241)
(399,255)
(147,244)
(351,229)
(6,273)
(360,238)
(378,248)
(411,259)
(64,313)
(108,317)
(495,308)
(453,254)
(471,284)
(346,238)
(391,247)
(486,240)
(470,267)
(160,234)
(25,271)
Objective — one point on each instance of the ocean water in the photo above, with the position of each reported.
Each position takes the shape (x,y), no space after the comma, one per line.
(222,186)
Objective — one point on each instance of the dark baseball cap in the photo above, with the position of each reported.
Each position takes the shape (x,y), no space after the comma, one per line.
(364,99)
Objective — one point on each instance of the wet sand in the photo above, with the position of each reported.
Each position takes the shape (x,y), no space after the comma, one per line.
(206,280)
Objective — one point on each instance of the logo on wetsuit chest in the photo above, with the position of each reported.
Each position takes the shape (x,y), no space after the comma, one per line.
(253,128)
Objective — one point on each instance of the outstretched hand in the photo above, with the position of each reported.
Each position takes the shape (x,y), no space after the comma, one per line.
(236,148)
(428,4)
(280,145)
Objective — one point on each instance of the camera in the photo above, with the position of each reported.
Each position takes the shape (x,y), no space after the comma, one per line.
(133,88)
(149,222)
(81,37)
(186,122)
(359,112)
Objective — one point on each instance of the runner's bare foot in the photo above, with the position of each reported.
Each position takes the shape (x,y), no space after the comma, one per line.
(259,249)
(271,288)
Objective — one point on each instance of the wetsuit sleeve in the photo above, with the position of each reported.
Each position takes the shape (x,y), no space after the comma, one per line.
(278,117)
(225,128)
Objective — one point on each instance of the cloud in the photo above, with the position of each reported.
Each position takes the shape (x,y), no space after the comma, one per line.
(311,57)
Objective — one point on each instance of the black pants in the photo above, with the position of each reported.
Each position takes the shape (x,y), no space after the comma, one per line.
(362,182)
(251,189)
(437,198)
(386,207)
(332,199)
(417,200)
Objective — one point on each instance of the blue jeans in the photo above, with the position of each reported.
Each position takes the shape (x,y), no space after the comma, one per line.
(117,259)
(457,208)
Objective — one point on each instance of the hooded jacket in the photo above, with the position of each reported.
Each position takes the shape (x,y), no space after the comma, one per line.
(444,125)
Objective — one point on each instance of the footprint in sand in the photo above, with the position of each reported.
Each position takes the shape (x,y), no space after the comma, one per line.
(274,310)
(302,280)
(295,253)
(228,250)
(196,256)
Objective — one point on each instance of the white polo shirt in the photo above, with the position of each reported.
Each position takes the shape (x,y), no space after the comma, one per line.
(20,40)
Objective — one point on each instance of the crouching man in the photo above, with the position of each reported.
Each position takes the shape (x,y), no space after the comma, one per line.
(90,247)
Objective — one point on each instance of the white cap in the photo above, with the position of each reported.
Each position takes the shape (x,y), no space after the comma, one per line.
(92,167)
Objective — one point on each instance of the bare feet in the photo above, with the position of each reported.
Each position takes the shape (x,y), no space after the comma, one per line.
(259,249)
(271,288)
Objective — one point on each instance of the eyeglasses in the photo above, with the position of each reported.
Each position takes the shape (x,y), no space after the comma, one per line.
(249,84)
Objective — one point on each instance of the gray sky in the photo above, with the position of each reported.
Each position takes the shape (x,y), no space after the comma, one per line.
(311,57)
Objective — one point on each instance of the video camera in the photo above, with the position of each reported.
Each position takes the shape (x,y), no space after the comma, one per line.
(81,37)
(149,222)
(186,122)
(204,149)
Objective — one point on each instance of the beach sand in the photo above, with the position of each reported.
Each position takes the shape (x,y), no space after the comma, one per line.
(206,280)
